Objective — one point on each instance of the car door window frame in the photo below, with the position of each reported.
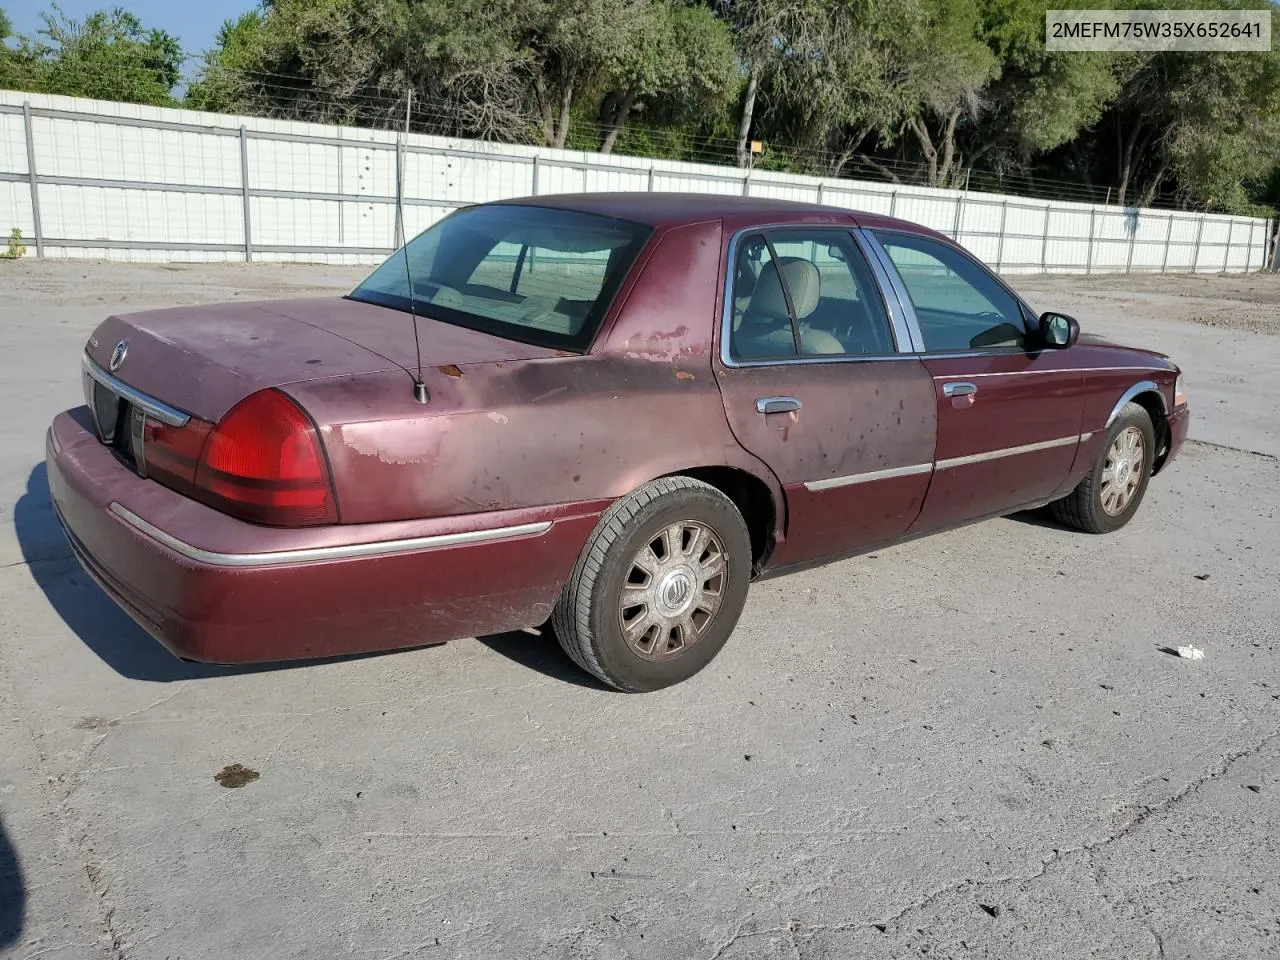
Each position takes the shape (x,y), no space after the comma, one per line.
(899,317)
(1026,315)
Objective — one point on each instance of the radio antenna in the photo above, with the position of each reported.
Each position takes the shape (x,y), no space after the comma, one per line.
(419,387)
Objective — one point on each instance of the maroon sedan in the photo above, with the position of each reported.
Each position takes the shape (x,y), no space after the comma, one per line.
(613,411)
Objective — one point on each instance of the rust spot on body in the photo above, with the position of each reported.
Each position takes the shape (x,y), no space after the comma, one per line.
(684,375)
(451,370)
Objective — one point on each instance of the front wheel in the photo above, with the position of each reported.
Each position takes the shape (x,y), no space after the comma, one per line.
(659,586)
(1109,496)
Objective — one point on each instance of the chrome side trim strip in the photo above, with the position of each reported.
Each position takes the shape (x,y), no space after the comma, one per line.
(1085,437)
(1018,373)
(1007,452)
(344,552)
(166,414)
(814,486)
(1142,386)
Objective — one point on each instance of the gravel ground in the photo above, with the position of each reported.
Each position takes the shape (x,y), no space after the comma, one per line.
(974,745)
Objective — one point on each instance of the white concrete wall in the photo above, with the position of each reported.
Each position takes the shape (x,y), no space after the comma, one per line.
(127,182)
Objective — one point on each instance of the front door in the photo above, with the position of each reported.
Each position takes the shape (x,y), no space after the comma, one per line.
(1008,412)
(815,385)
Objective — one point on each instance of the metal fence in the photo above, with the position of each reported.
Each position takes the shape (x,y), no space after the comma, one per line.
(85,178)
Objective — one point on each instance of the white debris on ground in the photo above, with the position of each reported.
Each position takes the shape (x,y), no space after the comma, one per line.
(1191,653)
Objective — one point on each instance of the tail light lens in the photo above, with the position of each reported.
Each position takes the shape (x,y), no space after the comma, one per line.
(262,462)
(173,453)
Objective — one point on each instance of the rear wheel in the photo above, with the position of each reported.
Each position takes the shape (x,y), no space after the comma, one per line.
(1109,496)
(659,586)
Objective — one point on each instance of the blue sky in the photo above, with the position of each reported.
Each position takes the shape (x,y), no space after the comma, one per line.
(193,22)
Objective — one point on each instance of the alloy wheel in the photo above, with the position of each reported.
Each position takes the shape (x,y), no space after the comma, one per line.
(1122,472)
(673,590)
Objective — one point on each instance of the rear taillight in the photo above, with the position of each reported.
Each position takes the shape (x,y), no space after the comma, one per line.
(173,453)
(262,462)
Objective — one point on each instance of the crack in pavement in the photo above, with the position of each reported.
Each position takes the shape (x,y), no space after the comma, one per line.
(78,776)
(1134,824)
(739,933)
(76,831)
(1227,446)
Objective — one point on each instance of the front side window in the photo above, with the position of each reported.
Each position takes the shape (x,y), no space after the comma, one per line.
(533,274)
(958,304)
(805,293)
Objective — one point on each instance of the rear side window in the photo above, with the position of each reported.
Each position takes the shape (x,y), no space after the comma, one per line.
(533,274)
(958,305)
(805,293)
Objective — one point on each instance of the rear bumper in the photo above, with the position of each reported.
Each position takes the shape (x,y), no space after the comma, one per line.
(214,588)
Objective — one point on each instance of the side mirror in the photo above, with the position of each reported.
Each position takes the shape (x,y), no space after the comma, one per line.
(1058,331)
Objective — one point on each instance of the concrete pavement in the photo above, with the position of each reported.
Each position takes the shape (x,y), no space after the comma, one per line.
(973,745)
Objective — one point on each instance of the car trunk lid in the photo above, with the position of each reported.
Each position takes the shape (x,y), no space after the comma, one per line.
(203,360)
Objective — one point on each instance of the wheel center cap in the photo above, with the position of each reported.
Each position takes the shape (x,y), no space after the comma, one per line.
(1123,469)
(676,591)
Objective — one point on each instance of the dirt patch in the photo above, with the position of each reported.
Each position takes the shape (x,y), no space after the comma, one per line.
(235,775)
(1248,302)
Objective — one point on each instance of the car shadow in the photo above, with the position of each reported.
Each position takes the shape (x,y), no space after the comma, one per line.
(13,893)
(131,652)
(541,652)
(1040,517)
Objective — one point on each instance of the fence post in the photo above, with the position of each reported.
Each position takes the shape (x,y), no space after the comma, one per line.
(1275,245)
(244,195)
(1226,259)
(651,179)
(893,202)
(1248,257)
(1088,260)
(955,227)
(1195,257)
(1004,213)
(746,184)
(1133,237)
(33,180)
(534,189)
(1168,236)
(1044,242)
(819,191)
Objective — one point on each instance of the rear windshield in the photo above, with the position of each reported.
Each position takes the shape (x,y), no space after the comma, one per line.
(533,274)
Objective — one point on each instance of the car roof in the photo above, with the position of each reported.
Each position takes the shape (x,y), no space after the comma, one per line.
(737,212)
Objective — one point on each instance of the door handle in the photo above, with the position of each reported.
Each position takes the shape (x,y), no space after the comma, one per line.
(777,405)
(959,389)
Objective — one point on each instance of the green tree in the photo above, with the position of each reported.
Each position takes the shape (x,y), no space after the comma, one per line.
(361,61)
(10,66)
(948,66)
(108,55)
(1039,100)
(1210,119)
(666,50)
(217,86)
(569,43)
(769,35)
(854,86)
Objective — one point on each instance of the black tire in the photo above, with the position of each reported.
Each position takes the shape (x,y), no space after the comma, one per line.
(1083,508)
(587,619)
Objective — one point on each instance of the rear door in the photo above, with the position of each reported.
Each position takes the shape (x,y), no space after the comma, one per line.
(819,381)
(1008,412)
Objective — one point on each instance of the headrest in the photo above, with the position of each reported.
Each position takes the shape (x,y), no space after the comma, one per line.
(803,280)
